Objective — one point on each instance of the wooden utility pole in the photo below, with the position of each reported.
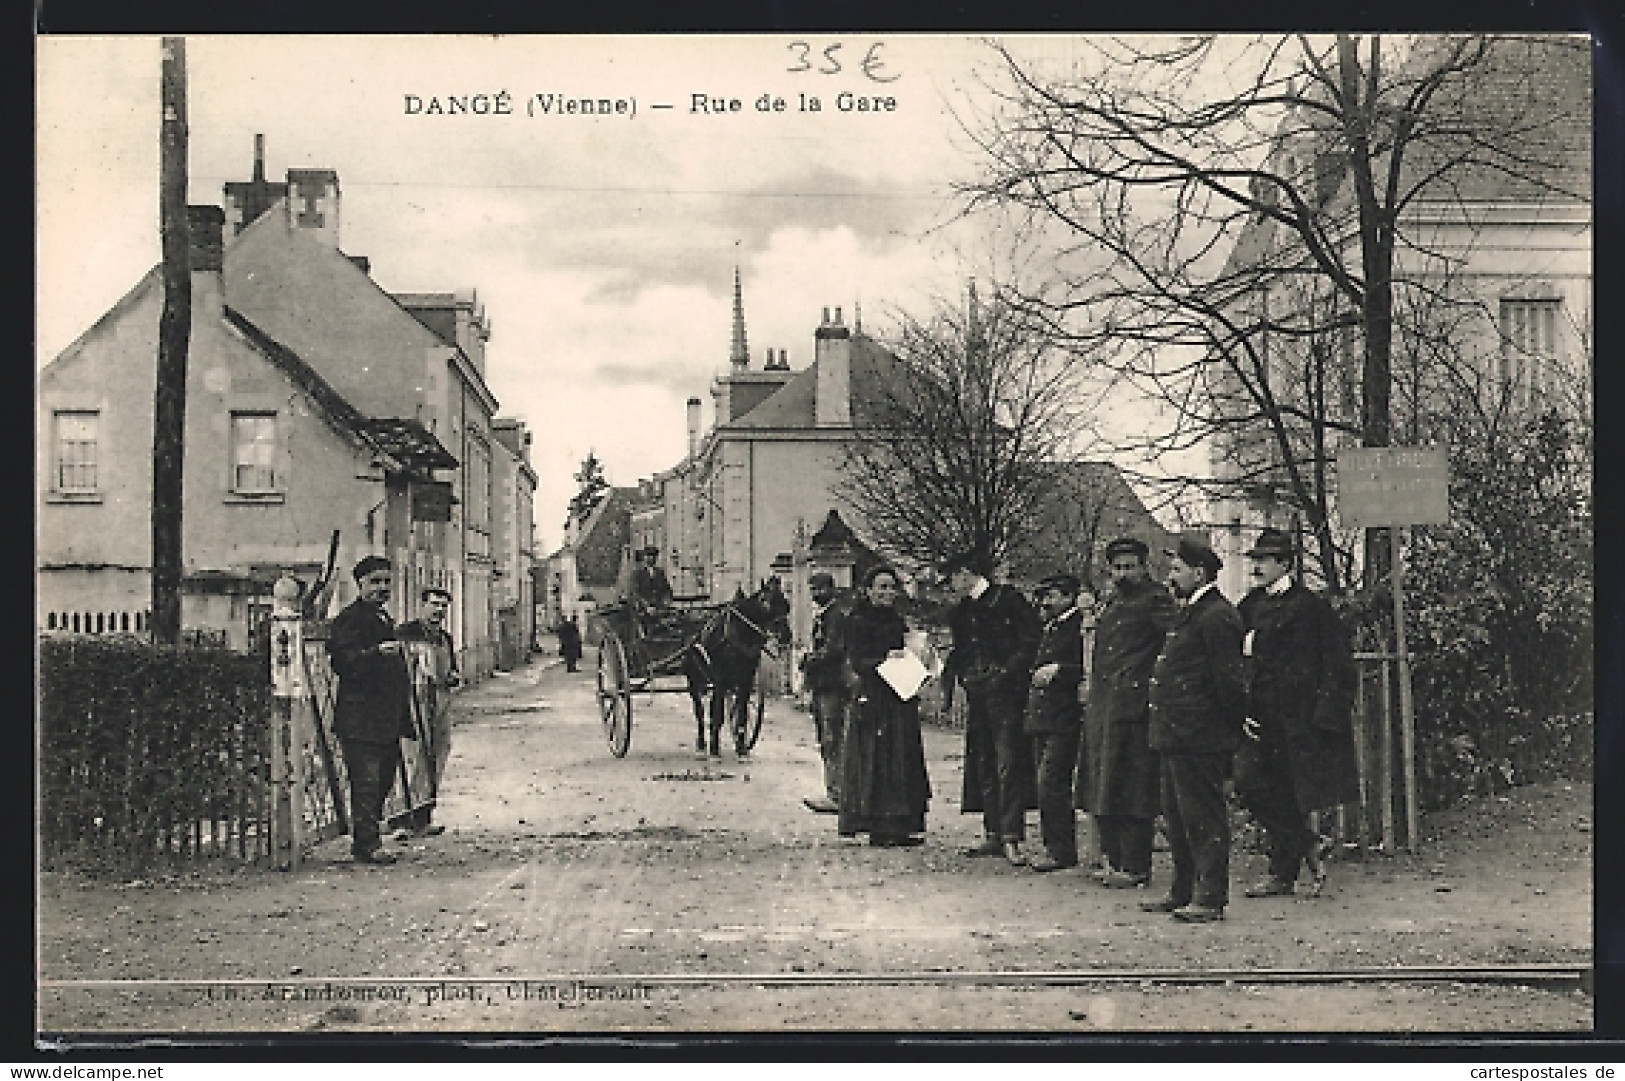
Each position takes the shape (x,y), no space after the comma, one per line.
(174,335)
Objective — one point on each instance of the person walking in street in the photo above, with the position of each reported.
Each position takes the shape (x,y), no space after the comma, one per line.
(374,707)
(1198,700)
(884,789)
(1118,778)
(1055,717)
(825,682)
(570,643)
(432,660)
(1298,755)
(995,636)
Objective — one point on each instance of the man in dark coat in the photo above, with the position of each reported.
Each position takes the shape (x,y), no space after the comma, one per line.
(1055,718)
(434,671)
(649,582)
(374,708)
(1198,701)
(995,635)
(1299,752)
(1118,779)
(570,643)
(826,682)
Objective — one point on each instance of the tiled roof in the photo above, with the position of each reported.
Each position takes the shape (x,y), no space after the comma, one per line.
(873,368)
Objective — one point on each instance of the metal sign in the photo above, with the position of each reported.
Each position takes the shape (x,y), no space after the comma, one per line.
(1389,486)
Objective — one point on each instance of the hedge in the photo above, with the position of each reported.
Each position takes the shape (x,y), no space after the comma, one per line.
(150,750)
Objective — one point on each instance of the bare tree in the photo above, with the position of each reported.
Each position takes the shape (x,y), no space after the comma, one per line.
(952,454)
(1230,218)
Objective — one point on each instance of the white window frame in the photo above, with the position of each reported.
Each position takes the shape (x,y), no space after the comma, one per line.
(1530,342)
(82,467)
(267,478)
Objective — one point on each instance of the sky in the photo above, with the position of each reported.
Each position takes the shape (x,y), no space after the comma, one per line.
(603,248)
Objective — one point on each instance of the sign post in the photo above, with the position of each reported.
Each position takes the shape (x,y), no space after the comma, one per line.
(1397,487)
(287,742)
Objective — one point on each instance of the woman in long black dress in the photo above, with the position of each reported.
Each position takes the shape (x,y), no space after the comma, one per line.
(884,787)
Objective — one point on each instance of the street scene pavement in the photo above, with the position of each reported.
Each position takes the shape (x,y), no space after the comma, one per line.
(566,873)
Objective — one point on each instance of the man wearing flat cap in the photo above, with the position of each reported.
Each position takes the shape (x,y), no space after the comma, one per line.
(432,661)
(374,707)
(995,636)
(1298,755)
(1117,778)
(825,674)
(1198,701)
(1055,716)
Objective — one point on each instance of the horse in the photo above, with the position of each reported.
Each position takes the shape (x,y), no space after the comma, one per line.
(723,660)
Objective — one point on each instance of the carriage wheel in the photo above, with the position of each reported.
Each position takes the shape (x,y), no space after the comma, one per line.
(615,695)
(747,719)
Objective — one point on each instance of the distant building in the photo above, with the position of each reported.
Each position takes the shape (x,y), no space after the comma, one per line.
(513,541)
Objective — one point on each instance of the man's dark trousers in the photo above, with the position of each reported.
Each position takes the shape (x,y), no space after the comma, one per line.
(1275,807)
(829,715)
(1198,826)
(372,768)
(994,721)
(1125,841)
(1057,757)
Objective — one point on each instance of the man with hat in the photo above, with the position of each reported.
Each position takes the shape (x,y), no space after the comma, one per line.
(1198,700)
(1054,717)
(433,657)
(1117,776)
(649,582)
(824,675)
(374,707)
(1298,755)
(995,636)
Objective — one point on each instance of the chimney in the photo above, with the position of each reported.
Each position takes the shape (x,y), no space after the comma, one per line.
(693,427)
(259,159)
(205,225)
(313,203)
(832,354)
(784,360)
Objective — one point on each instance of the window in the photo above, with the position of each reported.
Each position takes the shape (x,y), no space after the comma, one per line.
(1528,346)
(76,452)
(253,452)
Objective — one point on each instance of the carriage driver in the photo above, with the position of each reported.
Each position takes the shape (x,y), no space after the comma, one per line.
(649,583)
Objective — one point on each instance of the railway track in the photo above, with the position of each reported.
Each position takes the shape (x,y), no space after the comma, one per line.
(1557,974)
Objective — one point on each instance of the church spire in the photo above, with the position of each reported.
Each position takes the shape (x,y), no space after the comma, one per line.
(739,354)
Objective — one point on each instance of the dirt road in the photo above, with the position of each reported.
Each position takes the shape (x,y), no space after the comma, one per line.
(566,874)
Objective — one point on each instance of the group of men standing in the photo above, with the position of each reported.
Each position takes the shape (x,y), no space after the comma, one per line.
(1155,700)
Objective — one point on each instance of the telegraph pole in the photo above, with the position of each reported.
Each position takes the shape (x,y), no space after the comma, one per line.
(174,336)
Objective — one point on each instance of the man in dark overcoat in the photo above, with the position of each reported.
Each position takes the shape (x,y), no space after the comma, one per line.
(1118,778)
(374,708)
(995,635)
(1299,752)
(570,643)
(827,683)
(1198,701)
(649,582)
(1055,719)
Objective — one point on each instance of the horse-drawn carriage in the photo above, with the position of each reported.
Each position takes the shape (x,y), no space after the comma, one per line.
(709,647)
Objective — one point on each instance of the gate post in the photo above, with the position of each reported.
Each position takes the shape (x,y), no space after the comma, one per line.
(287,744)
